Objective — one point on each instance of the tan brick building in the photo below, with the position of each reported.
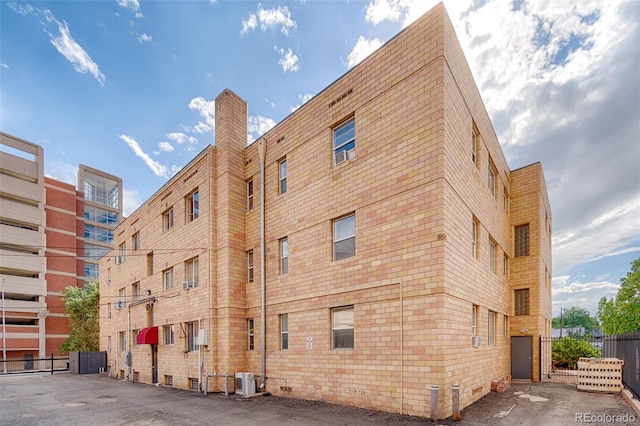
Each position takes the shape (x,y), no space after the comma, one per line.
(372,244)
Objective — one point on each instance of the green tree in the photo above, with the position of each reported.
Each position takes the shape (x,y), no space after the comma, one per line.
(82,308)
(576,317)
(622,314)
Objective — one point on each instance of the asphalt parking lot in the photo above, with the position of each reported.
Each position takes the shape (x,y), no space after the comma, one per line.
(66,399)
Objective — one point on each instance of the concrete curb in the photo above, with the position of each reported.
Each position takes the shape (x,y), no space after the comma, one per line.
(634,403)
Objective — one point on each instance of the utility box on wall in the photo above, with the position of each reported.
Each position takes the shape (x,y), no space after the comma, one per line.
(87,362)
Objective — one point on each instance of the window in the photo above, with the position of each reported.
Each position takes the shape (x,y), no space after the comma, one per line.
(250,195)
(493,247)
(505,199)
(505,265)
(344,237)
(135,291)
(474,320)
(192,207)
(135,241)
(108,310)
(505,326)
(342,327)
(344,141)
(192,336)
(122,251)
(282,167)
(167,332)
(191,271)
(284,331)
(168,278)
(135,337)
(250,266)
(250,333)
(474,238)
(491,178)
(149,264)
(122,340)
(475,141)
(284,255)
(522,240)
(522,302)
(167,219)
(122,298)
(492,329)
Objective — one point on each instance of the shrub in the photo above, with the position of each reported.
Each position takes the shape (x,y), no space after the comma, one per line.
(567,351)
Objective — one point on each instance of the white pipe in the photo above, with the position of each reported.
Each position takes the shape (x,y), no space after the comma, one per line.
(129,375)
(4,334)
(262,148)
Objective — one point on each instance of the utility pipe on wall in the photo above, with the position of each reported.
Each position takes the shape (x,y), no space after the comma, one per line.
(262,146)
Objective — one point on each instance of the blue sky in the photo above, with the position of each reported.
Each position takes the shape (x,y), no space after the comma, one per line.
(128,87)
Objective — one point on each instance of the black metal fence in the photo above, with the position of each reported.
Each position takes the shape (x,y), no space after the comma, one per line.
(559,356)
(627,348)
(34,365)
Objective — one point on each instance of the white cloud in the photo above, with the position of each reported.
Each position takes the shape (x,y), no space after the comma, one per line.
(134,5)
(165,147)
(3,65)
(568,292)
(181,138)
(157,168)
(289,61)
(394,10)
(61,171)
(22,10)
(269,19)
(361,50)
(144,37)
(207,111)
(130,201)
(303,100)
(72,51)
(249,24)
(258,126)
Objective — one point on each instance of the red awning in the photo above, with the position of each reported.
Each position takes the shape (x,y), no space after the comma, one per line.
(148,336)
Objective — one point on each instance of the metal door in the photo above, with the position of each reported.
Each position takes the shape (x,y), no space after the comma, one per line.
(28,361)
(521,356)
(154,363)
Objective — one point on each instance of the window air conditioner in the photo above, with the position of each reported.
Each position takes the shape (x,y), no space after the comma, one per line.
(187,285)
(119,259)
(341,157)
(475,340)
(245,384)
(119,304)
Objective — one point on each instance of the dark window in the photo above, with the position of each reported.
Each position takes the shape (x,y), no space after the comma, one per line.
(522,240)
(344,237)
(342,327)
(251,334)
(284,331)
(522,301)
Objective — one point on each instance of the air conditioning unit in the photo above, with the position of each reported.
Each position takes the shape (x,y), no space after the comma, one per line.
(187,285)
(245,384)
(341,157)
(475,340)
(119,259)
(203,337)
(120,304)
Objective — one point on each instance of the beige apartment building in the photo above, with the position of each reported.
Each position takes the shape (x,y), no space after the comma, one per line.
(372,244)
(44,224)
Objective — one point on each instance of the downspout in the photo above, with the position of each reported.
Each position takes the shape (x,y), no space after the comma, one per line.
(262,151)
(401,349)
(129,375)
